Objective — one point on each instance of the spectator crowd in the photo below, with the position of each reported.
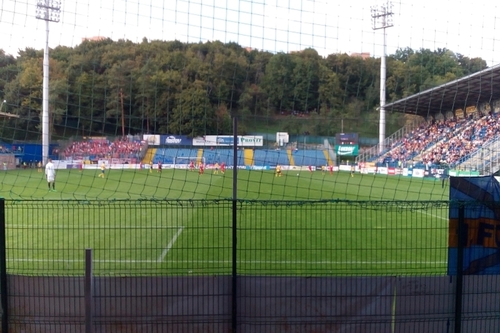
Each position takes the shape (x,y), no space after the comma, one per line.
(102,148)
(448,141)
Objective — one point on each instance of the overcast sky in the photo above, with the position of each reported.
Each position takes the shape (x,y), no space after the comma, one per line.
(471,28)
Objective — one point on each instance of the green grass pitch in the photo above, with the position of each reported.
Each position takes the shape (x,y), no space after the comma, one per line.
(180,223)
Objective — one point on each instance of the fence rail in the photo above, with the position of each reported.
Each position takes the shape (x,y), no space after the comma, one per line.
(193,265)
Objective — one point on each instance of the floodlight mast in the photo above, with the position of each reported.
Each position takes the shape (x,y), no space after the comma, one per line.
(48,11)
(382,19)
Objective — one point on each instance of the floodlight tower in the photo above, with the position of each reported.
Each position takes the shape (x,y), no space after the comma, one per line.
(382,19)
(48,11)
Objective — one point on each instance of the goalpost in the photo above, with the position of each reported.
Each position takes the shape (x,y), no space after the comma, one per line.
(182,162)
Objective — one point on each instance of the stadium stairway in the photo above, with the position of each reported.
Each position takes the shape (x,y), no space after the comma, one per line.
(290,156)
(327,156)
(148,157)
(200,155)
(248,153)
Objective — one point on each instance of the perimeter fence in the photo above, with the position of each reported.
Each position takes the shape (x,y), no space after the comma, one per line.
(239,266)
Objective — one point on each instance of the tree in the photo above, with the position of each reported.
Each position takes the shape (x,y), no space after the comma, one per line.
(194,88)
(171,83)
(121,90)
(193,114)
(8,69)
(88,109)
(305,80)
(278,82)
(58,94)
(25,93)
(470,66)
(146,80)
(329,91)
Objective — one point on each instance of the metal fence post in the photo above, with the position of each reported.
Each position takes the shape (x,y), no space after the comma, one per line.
(89,293)
(3,270)
(460,267)
(234,300)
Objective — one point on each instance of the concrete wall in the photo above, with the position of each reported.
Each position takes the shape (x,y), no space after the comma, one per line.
(265,304)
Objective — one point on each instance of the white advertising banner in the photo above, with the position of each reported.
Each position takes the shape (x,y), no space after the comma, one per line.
(228,140)
(152,139)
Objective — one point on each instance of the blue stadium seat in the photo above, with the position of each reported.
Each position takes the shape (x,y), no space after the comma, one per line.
(309,157)
(269,157)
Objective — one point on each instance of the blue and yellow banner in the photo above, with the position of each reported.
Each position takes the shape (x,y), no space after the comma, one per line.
(479,197)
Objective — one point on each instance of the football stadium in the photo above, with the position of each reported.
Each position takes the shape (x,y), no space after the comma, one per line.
(207,166)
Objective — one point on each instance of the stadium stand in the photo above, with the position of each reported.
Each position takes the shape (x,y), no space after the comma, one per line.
(261,157)
(270,157)
(309,157)
(222,156)
(451,142)
(211,156)
(186,153)
(165,155)
(93,149)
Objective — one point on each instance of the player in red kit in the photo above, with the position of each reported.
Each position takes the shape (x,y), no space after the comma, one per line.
(191,166)
(222,167)
(202,168)
(330,169)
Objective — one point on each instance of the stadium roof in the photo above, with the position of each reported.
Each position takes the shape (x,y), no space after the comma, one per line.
(471,90)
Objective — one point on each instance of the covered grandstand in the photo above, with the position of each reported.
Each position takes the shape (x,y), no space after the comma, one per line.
(471,104)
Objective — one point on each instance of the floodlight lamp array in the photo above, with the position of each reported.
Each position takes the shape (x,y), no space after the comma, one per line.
(48,10)
(382,16)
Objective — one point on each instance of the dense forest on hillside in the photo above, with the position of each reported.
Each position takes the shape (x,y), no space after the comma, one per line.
(155,87)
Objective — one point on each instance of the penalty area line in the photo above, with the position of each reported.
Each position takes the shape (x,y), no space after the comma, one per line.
(87,227)
(433,215)
(100,261)
(170,244)
(228,262)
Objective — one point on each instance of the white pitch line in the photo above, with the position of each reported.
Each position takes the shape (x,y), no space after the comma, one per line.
(86,227)
(436,216)
(170,244)
(290,262)
(124,261)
